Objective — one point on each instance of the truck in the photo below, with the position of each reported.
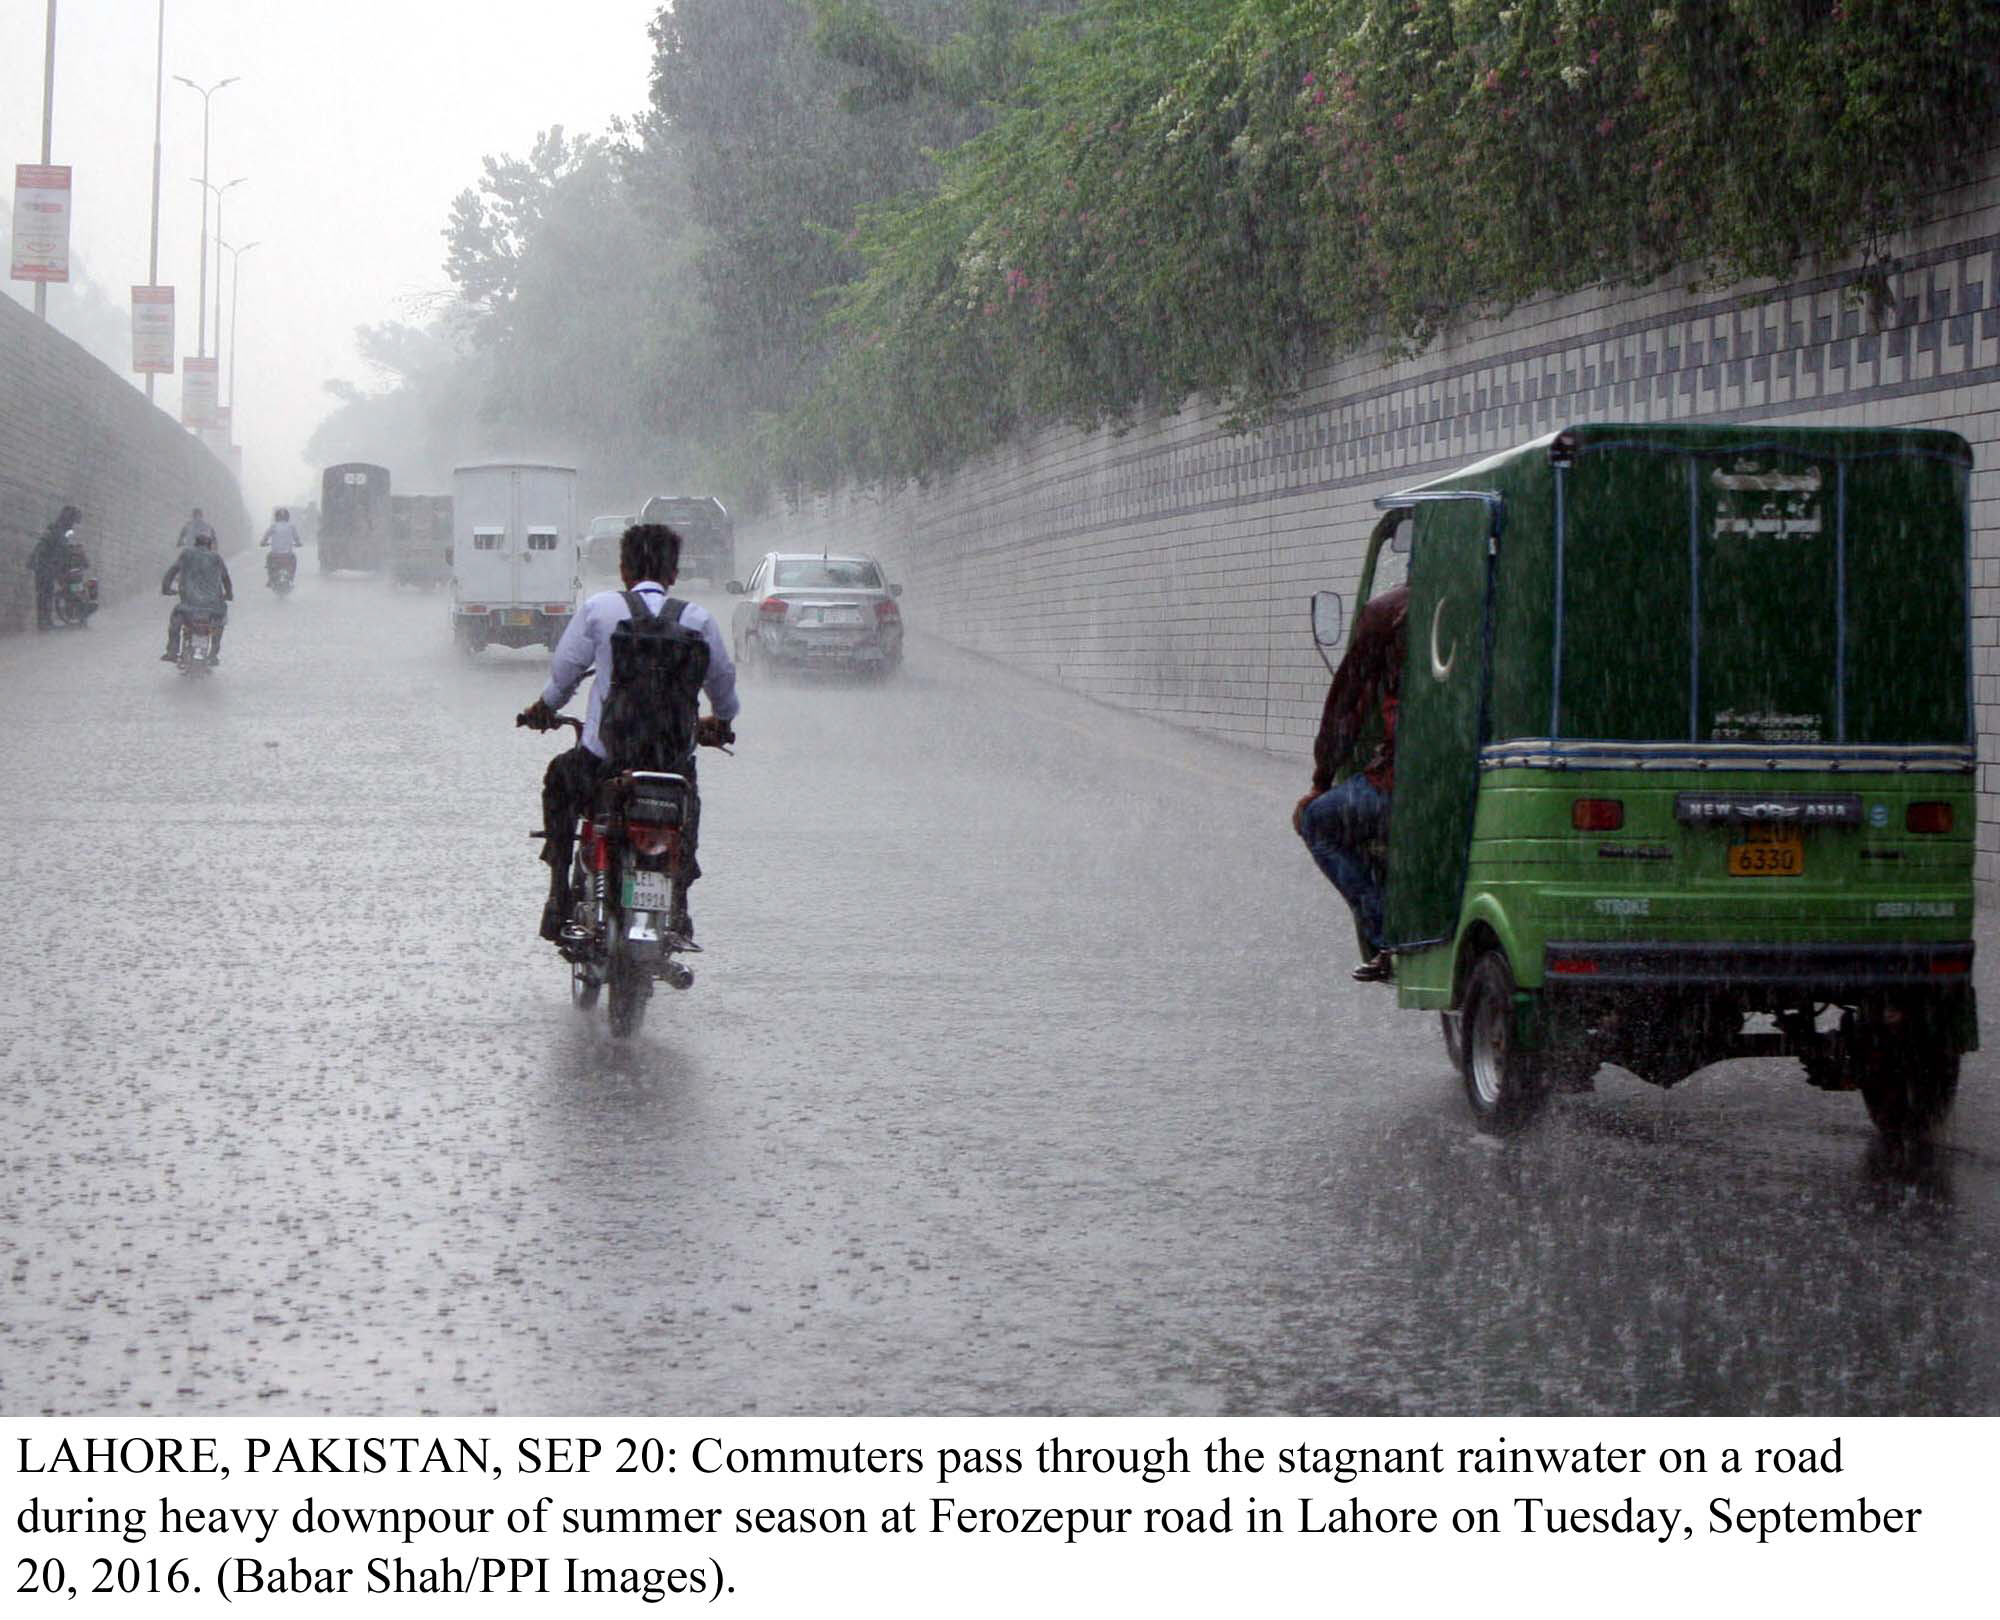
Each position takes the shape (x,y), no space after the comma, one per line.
(514,554)
(419,539)
(707,531)
(353,516)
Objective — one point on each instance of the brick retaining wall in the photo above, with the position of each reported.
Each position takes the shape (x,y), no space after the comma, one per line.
(73,432)
(1167,570)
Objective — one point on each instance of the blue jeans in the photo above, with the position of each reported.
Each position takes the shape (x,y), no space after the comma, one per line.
(1341,827)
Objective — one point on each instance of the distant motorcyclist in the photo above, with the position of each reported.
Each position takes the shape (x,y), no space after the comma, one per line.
(648,559)
(47,561)
(283,539)
(202,579)
(195,527)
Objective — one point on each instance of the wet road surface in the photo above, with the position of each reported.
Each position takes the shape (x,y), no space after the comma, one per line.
(1022,1075)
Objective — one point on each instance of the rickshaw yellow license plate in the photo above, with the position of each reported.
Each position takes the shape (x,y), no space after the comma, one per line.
(1769,852)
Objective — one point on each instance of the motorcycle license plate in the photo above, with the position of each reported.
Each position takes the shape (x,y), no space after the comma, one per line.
(648,891)
(1769,852)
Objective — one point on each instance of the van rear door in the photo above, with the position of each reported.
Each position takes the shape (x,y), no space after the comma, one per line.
(546,570)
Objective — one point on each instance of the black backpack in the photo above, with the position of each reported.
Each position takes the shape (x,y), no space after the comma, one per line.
(657,668)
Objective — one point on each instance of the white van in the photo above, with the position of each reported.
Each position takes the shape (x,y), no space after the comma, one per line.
(514,554)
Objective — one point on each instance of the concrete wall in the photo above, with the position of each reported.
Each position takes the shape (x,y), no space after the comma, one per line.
(74,433)
(1167,569)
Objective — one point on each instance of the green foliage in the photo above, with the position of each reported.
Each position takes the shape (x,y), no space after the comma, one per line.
(866,239)
(1186,197)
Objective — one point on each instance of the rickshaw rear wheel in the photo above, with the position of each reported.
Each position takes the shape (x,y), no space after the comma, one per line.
(1506,1086)
(1454,1048)
(1909,1092)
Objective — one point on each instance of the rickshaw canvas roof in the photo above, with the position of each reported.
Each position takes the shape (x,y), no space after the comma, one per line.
(1712,438)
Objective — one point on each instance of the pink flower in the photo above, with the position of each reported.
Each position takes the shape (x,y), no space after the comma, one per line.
(1319,96)
(1310,78)
(1605,126)
(1492,78)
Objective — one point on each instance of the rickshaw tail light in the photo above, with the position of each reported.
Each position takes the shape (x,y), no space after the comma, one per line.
(1597,815)
(1928,817)
(1951,964)
(1573,964)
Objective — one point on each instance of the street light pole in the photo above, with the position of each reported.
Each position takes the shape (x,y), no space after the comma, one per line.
(219,190)
(159,94)
(48,131)
(235,292)
(201,297)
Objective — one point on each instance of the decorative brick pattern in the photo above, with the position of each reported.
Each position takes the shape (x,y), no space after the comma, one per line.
(73,432)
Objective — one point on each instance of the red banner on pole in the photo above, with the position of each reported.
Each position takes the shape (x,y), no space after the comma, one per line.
(153,329)
(197,391)
(41,222)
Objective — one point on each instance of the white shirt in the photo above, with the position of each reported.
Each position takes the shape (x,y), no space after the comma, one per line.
(587,642)
(281,537)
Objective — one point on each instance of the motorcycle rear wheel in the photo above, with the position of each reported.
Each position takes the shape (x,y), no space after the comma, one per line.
(631,989)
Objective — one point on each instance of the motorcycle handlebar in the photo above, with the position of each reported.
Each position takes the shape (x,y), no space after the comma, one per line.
(559,720)
(571,720)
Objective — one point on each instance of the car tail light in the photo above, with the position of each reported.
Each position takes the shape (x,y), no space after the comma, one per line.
(650,840)
(1928,817)
(773,607)
(886,611)
(1597,815)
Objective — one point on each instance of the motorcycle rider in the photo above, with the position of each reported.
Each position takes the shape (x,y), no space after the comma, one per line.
(283,539)
(202,578)
(195,527)
(648,560)
(47,561)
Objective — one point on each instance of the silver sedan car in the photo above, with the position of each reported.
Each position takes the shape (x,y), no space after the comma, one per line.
(820,610)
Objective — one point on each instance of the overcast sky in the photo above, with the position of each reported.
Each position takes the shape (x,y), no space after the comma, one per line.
(354,123)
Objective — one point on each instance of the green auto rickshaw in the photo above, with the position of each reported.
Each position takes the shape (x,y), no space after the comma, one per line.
(1685,761)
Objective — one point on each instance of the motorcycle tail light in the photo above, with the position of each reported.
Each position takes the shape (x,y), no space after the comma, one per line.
(649,840)
(1928,818)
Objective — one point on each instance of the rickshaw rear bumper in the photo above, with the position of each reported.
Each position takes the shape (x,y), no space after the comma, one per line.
(1715,984)
(1825,972)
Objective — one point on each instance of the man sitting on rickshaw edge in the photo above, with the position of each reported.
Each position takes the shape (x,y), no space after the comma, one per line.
(1344,826)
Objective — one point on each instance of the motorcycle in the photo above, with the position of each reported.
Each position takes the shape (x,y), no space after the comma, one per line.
(75,597)
(628,853)
(280,570)
(197,656)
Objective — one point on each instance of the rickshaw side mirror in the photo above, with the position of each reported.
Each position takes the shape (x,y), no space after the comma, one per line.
(1329,618)
(1399,541)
